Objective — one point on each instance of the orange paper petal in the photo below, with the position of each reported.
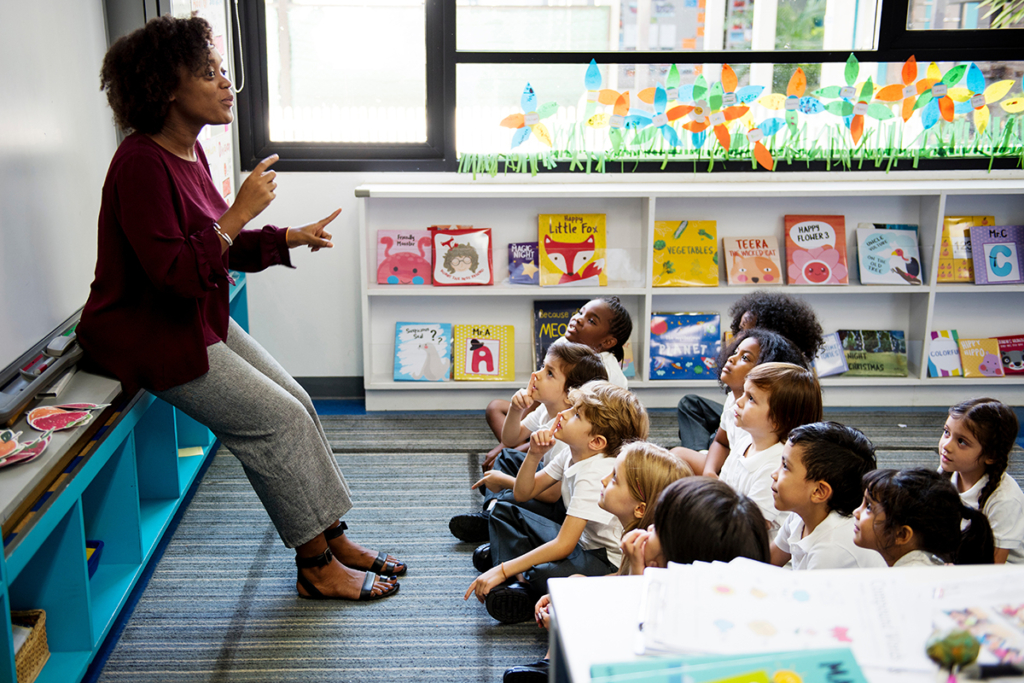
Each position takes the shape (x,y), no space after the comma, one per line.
(646,95)
(946,108)
(797,84)
(763,156)
(729,81)
(514,121)
(607,96)
(857,128)
(890,93)
(909,70)
(722,133)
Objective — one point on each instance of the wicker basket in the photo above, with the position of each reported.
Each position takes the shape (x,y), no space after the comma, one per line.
(32,656)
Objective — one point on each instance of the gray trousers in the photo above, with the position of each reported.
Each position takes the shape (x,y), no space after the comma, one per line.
(268,422)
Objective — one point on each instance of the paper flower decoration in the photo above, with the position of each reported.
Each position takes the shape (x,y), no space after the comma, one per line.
(908,91)
(935,101)
(843,107)
(660,120)
(673,91)
(865,107)
(765,129)
(616,120)
(975,98)
(817,267)
(592,81)
(529,120)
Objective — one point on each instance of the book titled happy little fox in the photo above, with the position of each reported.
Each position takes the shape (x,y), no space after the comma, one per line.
(572,249)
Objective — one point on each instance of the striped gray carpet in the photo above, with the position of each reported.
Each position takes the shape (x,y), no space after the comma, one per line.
(221,605)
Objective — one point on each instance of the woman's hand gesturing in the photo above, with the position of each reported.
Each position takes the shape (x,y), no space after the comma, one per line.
(313,235)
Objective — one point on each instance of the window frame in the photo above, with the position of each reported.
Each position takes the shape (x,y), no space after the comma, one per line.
(895,44)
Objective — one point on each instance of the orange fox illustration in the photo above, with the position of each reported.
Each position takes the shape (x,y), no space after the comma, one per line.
(756,270)
(572,258)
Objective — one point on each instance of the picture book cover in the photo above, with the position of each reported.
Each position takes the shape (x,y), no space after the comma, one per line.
(685,254)
(830,359)
(484,353)
(403,257)
(944,354)
(997,252)
(888,257)
(875,353)
(980,357)
(423,352)
(522,263)
(955,263)
(685,345)
(550,319)
(572,249)
(628,365)
(462,257)
(888,226)
(753,261)
(816,250)
(1011,352)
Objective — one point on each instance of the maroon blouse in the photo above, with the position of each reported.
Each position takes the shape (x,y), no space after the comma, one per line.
(160,294)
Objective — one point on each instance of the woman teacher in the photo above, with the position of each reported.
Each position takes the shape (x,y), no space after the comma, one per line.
(157,313)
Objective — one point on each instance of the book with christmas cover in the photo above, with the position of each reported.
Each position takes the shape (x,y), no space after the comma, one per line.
(403,257)
(830,359)
(685,345)
(980,357)
(484,353)
(955,263)
(944,354)
(1011,352)
(888,257)
(685,254)
(875,353)
(423,352)
(753,261)
(998,254)
(522,263)
(550,319)
(462,256)
(816,250)
(572,249)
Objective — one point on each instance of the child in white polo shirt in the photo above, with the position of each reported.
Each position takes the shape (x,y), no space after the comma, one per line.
(819,483)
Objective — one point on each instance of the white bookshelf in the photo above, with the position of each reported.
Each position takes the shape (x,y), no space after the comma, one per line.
(741,205)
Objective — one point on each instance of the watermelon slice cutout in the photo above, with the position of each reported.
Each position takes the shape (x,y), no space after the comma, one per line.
(54,419)
(29,451)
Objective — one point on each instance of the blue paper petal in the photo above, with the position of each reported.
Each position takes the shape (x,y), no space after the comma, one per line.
(670,134)
(685,93)
(529,99)
(593,78)
(699,138)
(975,79)
(520,137)
(637,119)
(772,126)
(811,105)
(963,107)
(660,100)
(930,114)
(749,93)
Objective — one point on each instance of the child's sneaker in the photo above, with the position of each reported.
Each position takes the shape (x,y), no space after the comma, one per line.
(511,603)
(470,527)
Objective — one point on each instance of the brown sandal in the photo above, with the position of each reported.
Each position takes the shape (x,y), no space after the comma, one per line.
(324,559)
(382,565)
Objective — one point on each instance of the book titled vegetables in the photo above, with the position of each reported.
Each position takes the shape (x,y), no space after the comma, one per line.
(484,352)
(685,254)
(752,261)
(816,250)
(572,249)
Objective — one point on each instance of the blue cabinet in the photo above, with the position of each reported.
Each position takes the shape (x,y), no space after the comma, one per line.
(123,488)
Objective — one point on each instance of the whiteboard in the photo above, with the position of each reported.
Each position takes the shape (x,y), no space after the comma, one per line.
(56,139)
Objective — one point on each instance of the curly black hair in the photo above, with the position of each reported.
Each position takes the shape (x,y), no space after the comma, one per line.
(143,69)
(775,348)
(778,312)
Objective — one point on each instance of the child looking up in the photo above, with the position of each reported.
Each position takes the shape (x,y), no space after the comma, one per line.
(777,398)
(602,324)
(914,518)
(567,366)
(602,418)
(819,482)
(768,310)
(974,453)
(749,349)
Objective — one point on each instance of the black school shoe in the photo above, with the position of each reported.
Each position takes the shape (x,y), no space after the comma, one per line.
(482,558)
(528,673)
(471,527)
(511,603)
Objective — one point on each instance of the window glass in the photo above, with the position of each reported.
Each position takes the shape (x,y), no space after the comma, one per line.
(949,15)
(671,25)
(346,71)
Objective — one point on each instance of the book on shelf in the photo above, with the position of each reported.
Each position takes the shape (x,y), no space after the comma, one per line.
(423,352)
(522,263)
(1011,352)
(628,364)
(980,357)
(944,354)
(685,254)
(816,250)
(889,226)
(955,263)
(888,257)
(830,359)
(875,353)
(998,254)
(685,345)
(462,256)
(404,257)
(572,249)
(484,353)
(550,319)
(753,261)
(803,666)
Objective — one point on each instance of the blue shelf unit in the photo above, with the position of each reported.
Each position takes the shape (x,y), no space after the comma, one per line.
(125,491)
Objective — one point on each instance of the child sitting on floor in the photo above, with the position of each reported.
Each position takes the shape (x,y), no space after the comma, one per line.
(819,482)
(567,366)
(602,324)
(914,518)
(749,349)
(974,453)
(777,397)
(527,549)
